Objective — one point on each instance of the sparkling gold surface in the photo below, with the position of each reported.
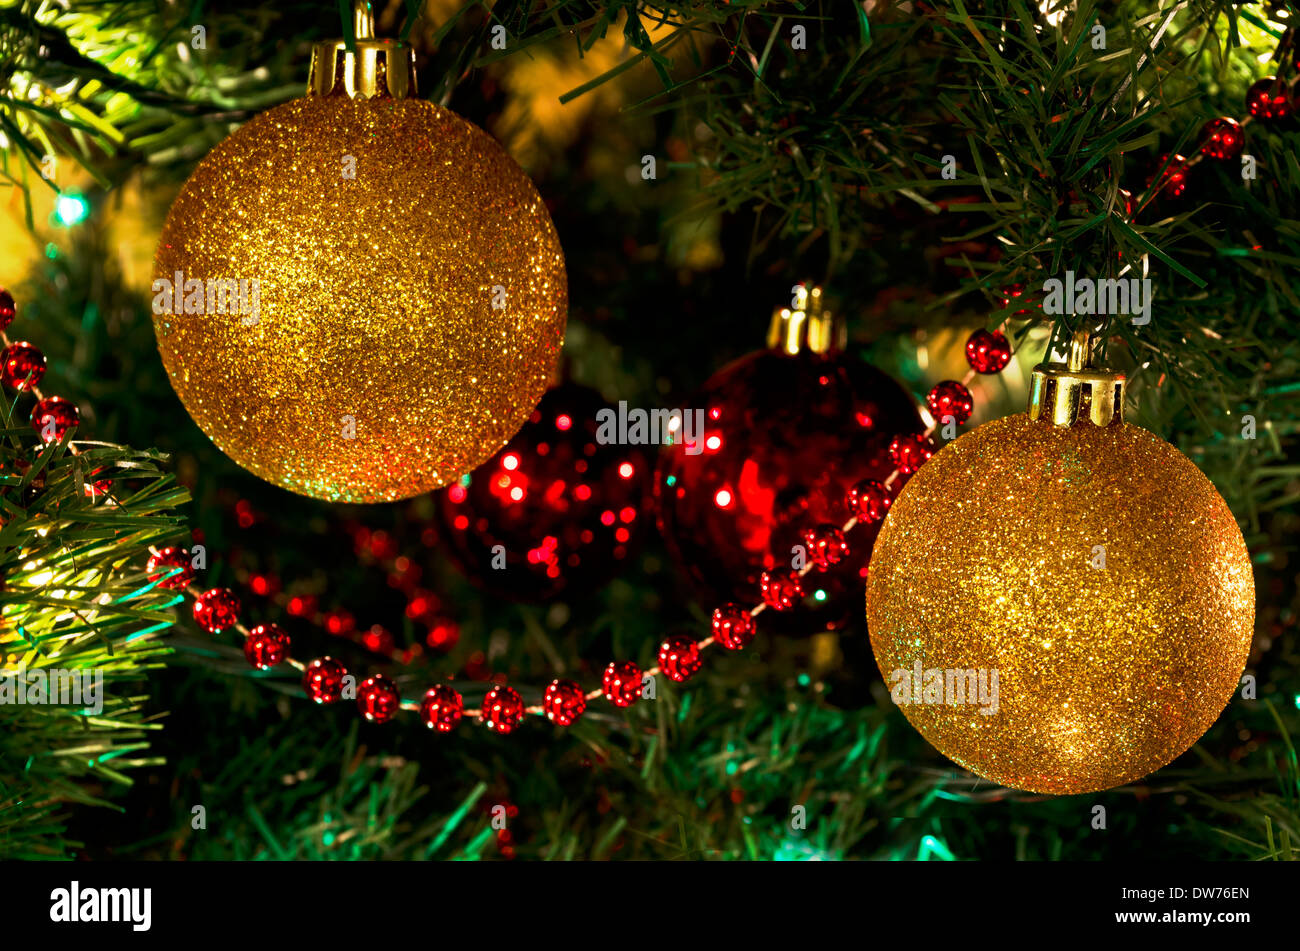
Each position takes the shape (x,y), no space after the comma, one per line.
(376,297)
(985,561)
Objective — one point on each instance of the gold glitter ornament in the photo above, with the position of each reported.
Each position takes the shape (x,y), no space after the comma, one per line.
(1090,565)
(398,300)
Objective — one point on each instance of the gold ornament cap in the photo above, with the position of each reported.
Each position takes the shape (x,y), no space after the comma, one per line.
(807,326)
(1065,393)
(374,69)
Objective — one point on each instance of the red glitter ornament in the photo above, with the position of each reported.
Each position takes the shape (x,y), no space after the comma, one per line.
(18,362)
(621,683)
(795,431)
(1222,139)
(377,699)
(1269,100)
(266,645)
(52,417)
(950,398)
(988,351)
(172,557)
(441,709)
(503,708)
(7,308)
(679,657)
(1173,180)
(826,546)
(556,512)
(216,610)
(563,702)
(323,679)
(911,452)
(781,589)
(869,501)
(733,626)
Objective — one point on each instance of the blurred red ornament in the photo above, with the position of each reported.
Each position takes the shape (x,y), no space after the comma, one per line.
(216,610)
(1269,99)
(781,589)
(950,398)
(1222,139)
(52,417)
(679,657)
(869,501)
(323,679)
(910,452)
(1015,294)
(988,351)
(621,683)
(565,508)
(733,626)
(563,702)
(1173,180)
(7,308)
(826,545)
(266,645)
(172,557)
(794,432)
(18,362)
(377,699)
(503,708)
(441,709)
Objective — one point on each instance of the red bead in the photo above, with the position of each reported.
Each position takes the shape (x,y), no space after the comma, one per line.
(21,360)
(266,645)
(563,702)
(733,626)
(910,452)
(172,557)
(622,683)
(323,679)
(869,501)
(216,610)
(782,590)
(826,546)
(56,413)
(377,699)
(503,708)
(1268,100)
(1222,139)
(441,709)
(950,398)
(988,352)
(1015,294)
(7,308)
(679,657)
(1173,180)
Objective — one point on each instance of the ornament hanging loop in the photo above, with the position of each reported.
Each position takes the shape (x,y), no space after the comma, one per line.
(373,69)
(1078,390)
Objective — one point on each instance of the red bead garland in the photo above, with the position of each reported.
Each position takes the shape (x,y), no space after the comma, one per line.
(266,646)
(910,452)
(1269,100)
(1173,180)
(621,683)
(950,398)
(171,557)
(323,679)
(1222,139)
(679,657)
(781,590)
(377,699)
(988,352)
(52,417)
(563,702)
(216,610)
(441,709)
(503,708)
(22,366)
(869,501)
(733,626)
(826,546)
(7,308)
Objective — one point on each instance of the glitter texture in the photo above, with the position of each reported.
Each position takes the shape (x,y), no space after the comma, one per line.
(376,297)
(986,561)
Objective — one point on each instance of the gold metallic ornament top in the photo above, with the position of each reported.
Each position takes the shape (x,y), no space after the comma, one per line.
(1063,394)
(376,68)
(807,326)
